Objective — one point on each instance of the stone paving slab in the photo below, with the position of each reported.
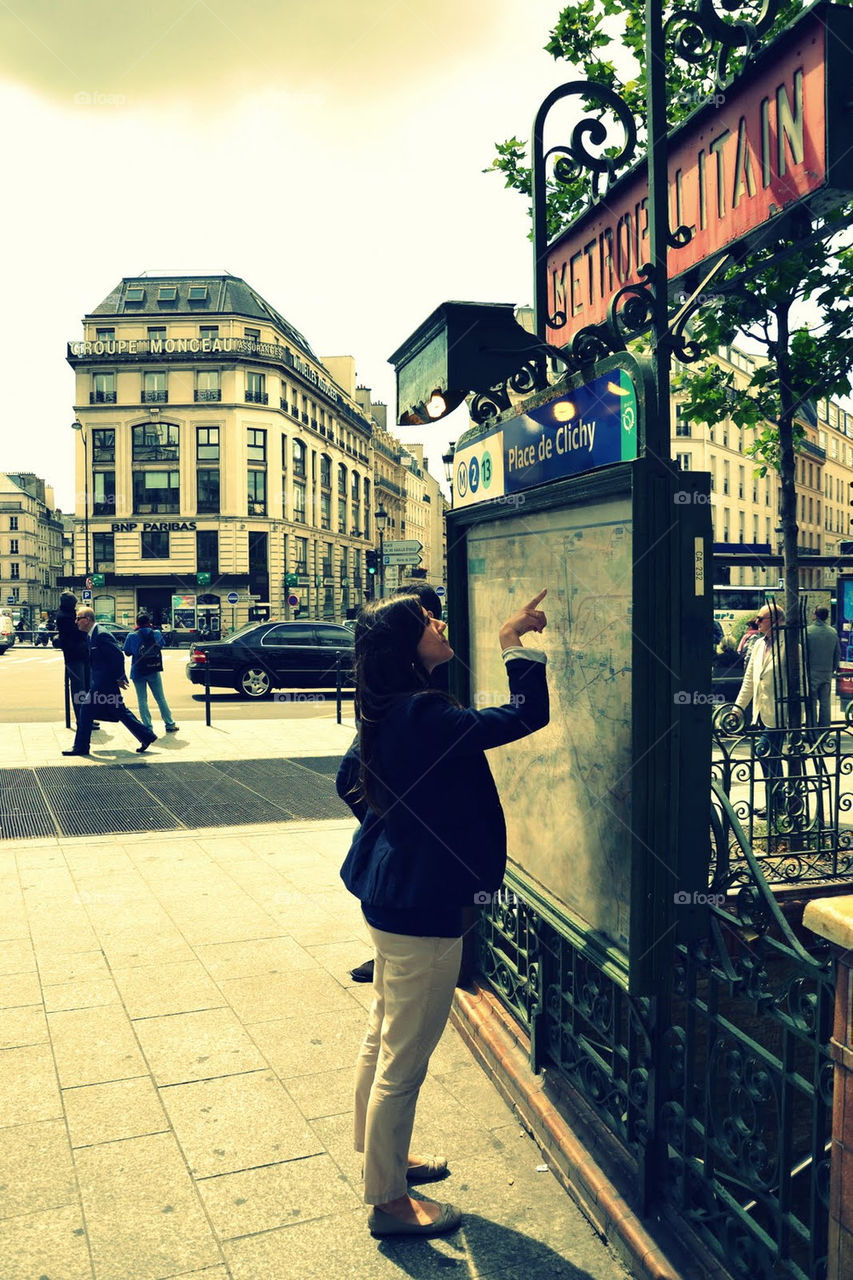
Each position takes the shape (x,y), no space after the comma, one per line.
(179,1104)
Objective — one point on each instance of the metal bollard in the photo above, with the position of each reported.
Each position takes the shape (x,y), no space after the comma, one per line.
(66,686)
(338,657)
(207,695)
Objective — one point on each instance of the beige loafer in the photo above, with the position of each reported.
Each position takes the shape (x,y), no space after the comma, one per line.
(385,1224)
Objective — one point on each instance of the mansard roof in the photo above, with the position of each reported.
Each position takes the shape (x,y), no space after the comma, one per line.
(202,295)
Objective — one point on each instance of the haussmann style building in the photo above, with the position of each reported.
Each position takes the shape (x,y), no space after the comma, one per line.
(225,473)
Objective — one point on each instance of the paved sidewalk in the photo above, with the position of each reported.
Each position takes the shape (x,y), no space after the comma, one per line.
(177,1037)
(31,745)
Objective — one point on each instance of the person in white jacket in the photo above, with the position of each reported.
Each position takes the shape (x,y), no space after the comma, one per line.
(764,686)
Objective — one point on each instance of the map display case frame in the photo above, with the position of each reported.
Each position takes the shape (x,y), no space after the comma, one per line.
(653,782)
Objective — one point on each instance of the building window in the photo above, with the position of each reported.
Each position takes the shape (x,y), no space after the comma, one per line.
(13,522)
(104,493)
(207,551)
(207,488)
(342,515)
(208,332)
(256,388)
(252,335)
(155,492)
(207,386)
(256,450)
(682,426)
(156,442)
(325,511)
(298,458)
(155,545)
(154,387)
(301,556)
(14,569)
(13,546)
(105,335)
(207,444)
(284,453)
(103,551)
(342,479)
(104,389)
(325,471)
(683,460)
(156,338)
(257,486)
(103,445)
(299,503)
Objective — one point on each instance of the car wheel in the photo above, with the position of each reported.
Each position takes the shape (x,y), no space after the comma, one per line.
(254,682)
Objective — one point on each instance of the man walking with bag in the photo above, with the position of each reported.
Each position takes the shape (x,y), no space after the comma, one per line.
(143,647)
(104,695)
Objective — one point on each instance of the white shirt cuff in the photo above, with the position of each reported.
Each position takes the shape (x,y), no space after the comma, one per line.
(519,651)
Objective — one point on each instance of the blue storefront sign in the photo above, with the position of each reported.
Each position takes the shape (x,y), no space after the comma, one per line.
(586,427)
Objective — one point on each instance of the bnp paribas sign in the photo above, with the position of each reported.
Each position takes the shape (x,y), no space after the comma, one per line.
(777,137)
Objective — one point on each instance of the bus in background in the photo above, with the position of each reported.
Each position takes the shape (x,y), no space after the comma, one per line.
(734,606)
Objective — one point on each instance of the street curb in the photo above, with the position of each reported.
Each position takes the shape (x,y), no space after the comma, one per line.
(502,1049)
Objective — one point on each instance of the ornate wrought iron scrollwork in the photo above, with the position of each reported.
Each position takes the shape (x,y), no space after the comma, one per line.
(700,33)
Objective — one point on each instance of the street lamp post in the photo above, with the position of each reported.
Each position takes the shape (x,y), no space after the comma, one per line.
(77,425)
(381,522)
(447,459)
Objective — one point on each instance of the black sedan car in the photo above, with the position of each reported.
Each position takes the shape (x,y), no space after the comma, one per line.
(274,655)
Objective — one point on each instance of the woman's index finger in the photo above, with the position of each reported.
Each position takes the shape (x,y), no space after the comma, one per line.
(535,601)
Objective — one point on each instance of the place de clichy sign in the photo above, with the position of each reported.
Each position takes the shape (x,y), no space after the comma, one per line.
(778,136)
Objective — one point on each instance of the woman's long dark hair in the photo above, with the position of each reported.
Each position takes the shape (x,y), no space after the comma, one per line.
(387,668)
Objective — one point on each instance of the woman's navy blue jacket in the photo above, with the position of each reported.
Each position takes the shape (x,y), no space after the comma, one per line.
(442,838)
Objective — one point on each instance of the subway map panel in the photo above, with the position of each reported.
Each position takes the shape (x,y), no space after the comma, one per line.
(566,790)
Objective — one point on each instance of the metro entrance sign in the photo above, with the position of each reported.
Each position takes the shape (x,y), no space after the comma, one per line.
(778,136)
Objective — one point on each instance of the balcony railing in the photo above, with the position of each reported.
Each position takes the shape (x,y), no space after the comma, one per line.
(155,397)
(209,393)
(102,397)
(104,453)
(813,450)
(103,508)
(257,397)
(156,508)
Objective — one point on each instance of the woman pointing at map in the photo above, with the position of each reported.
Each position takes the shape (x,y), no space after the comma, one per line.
(432,841)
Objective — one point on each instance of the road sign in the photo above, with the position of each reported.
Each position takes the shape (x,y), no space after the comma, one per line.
(232,597)
(203,579)
(439,591)
(291,580)
(11,600)
(85,594)
(98,580)
(401,557)
(401,546)
(89,583)
(294,600)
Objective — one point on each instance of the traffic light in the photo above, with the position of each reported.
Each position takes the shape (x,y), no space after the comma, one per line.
(372,559)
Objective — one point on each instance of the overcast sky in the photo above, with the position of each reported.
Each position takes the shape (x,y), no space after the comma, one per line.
(327,151)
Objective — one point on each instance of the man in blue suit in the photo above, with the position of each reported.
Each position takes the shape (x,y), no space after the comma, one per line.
(104,698)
